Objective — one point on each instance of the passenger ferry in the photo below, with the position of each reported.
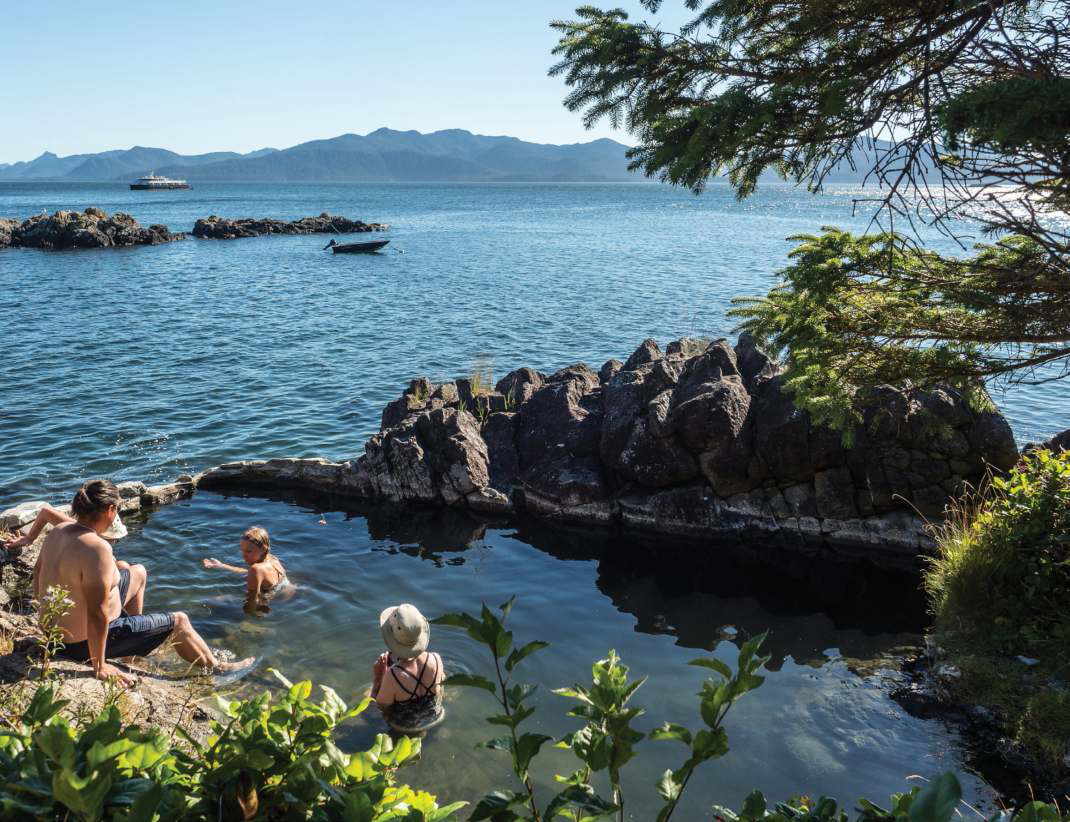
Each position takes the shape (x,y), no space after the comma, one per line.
(153,182)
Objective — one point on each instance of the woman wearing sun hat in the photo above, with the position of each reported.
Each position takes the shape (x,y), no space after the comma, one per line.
(407,678)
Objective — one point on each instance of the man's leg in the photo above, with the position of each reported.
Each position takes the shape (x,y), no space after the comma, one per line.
(134,600)
(193,649)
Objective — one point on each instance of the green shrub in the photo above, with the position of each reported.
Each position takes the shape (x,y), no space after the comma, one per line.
(999,590)
(275,759)
(1002,575)
(265,759)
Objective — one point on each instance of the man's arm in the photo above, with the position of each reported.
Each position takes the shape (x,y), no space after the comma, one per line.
(46,516)
(96,590)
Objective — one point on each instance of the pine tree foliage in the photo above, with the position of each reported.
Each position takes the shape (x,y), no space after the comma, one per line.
(959,111)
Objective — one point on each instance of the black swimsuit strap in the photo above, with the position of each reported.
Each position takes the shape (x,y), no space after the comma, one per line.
(418,677)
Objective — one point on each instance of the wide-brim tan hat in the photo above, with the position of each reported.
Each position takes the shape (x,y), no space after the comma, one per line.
(117,529)
(405,630)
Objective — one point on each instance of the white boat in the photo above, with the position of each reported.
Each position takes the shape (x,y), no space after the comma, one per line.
(153,182)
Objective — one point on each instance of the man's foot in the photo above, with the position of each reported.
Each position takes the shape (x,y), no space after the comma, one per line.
(227,673)
(237,665)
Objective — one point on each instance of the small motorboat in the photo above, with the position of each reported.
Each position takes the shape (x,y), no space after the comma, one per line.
(355,248)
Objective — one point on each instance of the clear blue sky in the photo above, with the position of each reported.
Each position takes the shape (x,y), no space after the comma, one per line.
(203,76)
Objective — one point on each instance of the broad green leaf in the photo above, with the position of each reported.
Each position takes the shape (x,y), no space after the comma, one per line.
(936,802)
(519,653)
(496,805)
(669,787)
(754,805)
(56,742)
(527,746)
(672,731)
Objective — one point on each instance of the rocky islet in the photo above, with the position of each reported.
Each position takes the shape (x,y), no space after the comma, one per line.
(93,228)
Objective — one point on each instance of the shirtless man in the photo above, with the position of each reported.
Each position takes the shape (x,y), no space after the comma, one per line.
(106,619)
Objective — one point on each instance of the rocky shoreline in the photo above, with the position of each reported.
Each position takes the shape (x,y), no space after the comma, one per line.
(91,228)
(227,228)
(698,442)
(929,693)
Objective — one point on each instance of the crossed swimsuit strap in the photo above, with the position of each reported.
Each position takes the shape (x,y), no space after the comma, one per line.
(428,691)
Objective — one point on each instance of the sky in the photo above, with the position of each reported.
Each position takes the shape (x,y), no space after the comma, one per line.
(201,76)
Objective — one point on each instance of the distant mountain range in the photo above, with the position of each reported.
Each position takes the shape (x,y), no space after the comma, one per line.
(381,156)
(453,155)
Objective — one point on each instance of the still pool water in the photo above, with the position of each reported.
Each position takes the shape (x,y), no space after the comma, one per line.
(822,722)
(150,362)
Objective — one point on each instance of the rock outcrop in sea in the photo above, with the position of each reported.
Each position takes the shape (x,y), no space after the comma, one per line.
(698,441)
(228,228)
(91,228)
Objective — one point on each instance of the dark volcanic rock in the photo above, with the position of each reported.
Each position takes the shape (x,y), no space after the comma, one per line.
(655,461)
(609,370)
(89,229)
(411,402)
(560,413)
(8,225)
(518,386)
(1060,442)
(229,228)
(647,352)
(712,415)
(781,434)
(755,366)
(703,442)
(499,432)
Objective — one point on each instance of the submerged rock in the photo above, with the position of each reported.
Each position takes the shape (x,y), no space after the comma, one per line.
(229,228)
(91,228)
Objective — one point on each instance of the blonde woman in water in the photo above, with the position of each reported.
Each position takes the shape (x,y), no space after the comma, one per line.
(263,572)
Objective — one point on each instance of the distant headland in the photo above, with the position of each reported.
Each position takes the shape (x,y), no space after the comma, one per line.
(384,155)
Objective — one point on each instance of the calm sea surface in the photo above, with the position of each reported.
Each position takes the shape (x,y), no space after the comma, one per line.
(146,363)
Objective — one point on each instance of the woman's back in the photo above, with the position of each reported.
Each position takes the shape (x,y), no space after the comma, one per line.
(417,679)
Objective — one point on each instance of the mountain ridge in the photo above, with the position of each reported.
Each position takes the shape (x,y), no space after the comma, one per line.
(383,155)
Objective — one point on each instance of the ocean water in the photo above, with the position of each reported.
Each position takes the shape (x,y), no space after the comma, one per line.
(146,363)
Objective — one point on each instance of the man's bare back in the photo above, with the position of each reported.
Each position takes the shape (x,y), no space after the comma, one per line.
(77,559)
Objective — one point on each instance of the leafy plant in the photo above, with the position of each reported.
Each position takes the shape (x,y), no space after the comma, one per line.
(715,699)
(264,759)
(607,740)
(1002,571)
(998,588)
(489,630)
(50,609)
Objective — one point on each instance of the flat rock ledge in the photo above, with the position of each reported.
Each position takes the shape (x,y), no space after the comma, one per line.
(91,228)
(227,228)
(699,442)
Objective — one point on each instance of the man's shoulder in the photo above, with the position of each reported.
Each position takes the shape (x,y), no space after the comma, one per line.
(91,544)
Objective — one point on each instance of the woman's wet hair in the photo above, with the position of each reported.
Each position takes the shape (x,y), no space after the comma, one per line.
(94,497)
(259,537)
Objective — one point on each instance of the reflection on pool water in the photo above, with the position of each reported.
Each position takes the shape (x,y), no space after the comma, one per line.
(821,724)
